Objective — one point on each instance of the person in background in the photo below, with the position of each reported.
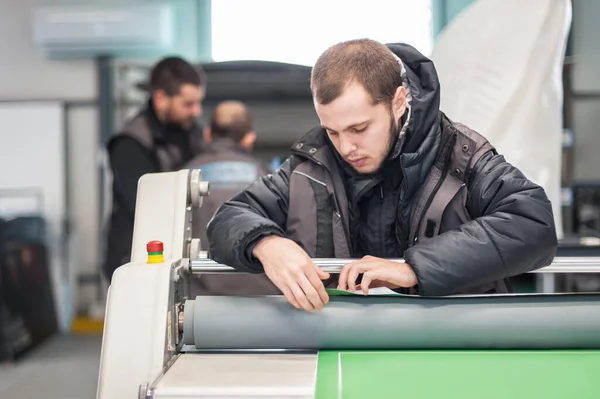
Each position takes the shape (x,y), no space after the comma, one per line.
(227,164)
(162,137)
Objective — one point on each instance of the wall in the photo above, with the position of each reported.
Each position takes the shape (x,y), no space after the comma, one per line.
(25,74)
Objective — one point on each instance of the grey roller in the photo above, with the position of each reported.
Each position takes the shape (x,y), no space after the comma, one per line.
(346,322)
(188,323)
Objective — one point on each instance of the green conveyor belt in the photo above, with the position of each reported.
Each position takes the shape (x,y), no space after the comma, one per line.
(458,374)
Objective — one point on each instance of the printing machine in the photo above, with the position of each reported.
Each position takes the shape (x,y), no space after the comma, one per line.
(160,343)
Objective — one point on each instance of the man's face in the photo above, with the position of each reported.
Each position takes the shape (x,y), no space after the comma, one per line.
(183,108)
(361,132)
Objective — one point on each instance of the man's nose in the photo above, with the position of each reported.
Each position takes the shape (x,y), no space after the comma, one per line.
(197,111)
(347,147)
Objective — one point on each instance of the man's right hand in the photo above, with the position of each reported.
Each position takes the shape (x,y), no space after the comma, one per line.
(290,268)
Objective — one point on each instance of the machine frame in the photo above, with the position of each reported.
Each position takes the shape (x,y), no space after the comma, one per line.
(142,348)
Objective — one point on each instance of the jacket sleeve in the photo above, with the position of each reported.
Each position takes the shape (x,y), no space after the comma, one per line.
(254,213)
(264,169)
(512,232)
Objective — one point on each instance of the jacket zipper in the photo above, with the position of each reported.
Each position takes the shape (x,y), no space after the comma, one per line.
(360,194)
(402,197)
(405,235)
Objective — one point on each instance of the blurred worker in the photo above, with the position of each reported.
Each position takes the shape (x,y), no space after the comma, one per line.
(227,164)
(387,175)
(162,137)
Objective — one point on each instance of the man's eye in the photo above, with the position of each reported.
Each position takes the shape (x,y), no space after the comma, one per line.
(329,132)
(362,129)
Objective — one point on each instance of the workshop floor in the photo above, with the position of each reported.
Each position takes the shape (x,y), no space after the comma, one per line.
(65,367)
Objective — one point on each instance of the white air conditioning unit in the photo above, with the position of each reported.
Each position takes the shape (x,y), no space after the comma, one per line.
(104,30)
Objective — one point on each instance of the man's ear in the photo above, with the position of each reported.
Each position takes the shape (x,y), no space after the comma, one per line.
(399,102)
(207,135)
(160,99)
(248,140)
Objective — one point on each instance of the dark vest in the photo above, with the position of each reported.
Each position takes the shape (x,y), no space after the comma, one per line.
(229,169)
(167,157)
(318,217)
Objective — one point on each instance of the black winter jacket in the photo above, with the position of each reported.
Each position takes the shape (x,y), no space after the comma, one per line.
(511,232)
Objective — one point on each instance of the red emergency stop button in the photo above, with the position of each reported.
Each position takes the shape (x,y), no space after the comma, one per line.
(154,246)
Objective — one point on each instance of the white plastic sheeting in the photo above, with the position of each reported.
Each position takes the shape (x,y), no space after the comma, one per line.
(500,67)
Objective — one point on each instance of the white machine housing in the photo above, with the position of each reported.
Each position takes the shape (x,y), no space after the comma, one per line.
(140,297)
(142,353)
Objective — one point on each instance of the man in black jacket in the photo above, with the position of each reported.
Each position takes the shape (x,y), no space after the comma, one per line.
(387,175)
(161,138)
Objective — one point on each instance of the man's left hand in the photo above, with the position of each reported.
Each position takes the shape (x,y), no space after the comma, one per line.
(376,272)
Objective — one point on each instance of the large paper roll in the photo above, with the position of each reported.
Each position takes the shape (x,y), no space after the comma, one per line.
(351,322)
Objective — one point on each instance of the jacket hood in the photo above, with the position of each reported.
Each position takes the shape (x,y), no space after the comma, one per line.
(418,139)
(420,79)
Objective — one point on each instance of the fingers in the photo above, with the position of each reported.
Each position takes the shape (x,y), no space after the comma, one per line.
(290,297)
(317,284)
(350,272)
(372,284)
(377,284)
(307,291)
(301,297)
(322,275)
(343,279)
(311,293)
(290,268)
(373,278)
(353,273)
(367,280)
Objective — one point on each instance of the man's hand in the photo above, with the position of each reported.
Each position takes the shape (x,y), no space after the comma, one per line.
(290,268)
(377,272)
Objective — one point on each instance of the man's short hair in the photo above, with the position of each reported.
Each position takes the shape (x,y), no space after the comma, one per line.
(171,73)
(231,119)
(365,61)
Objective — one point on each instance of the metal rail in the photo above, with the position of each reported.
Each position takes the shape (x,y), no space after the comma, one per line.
(559,265)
